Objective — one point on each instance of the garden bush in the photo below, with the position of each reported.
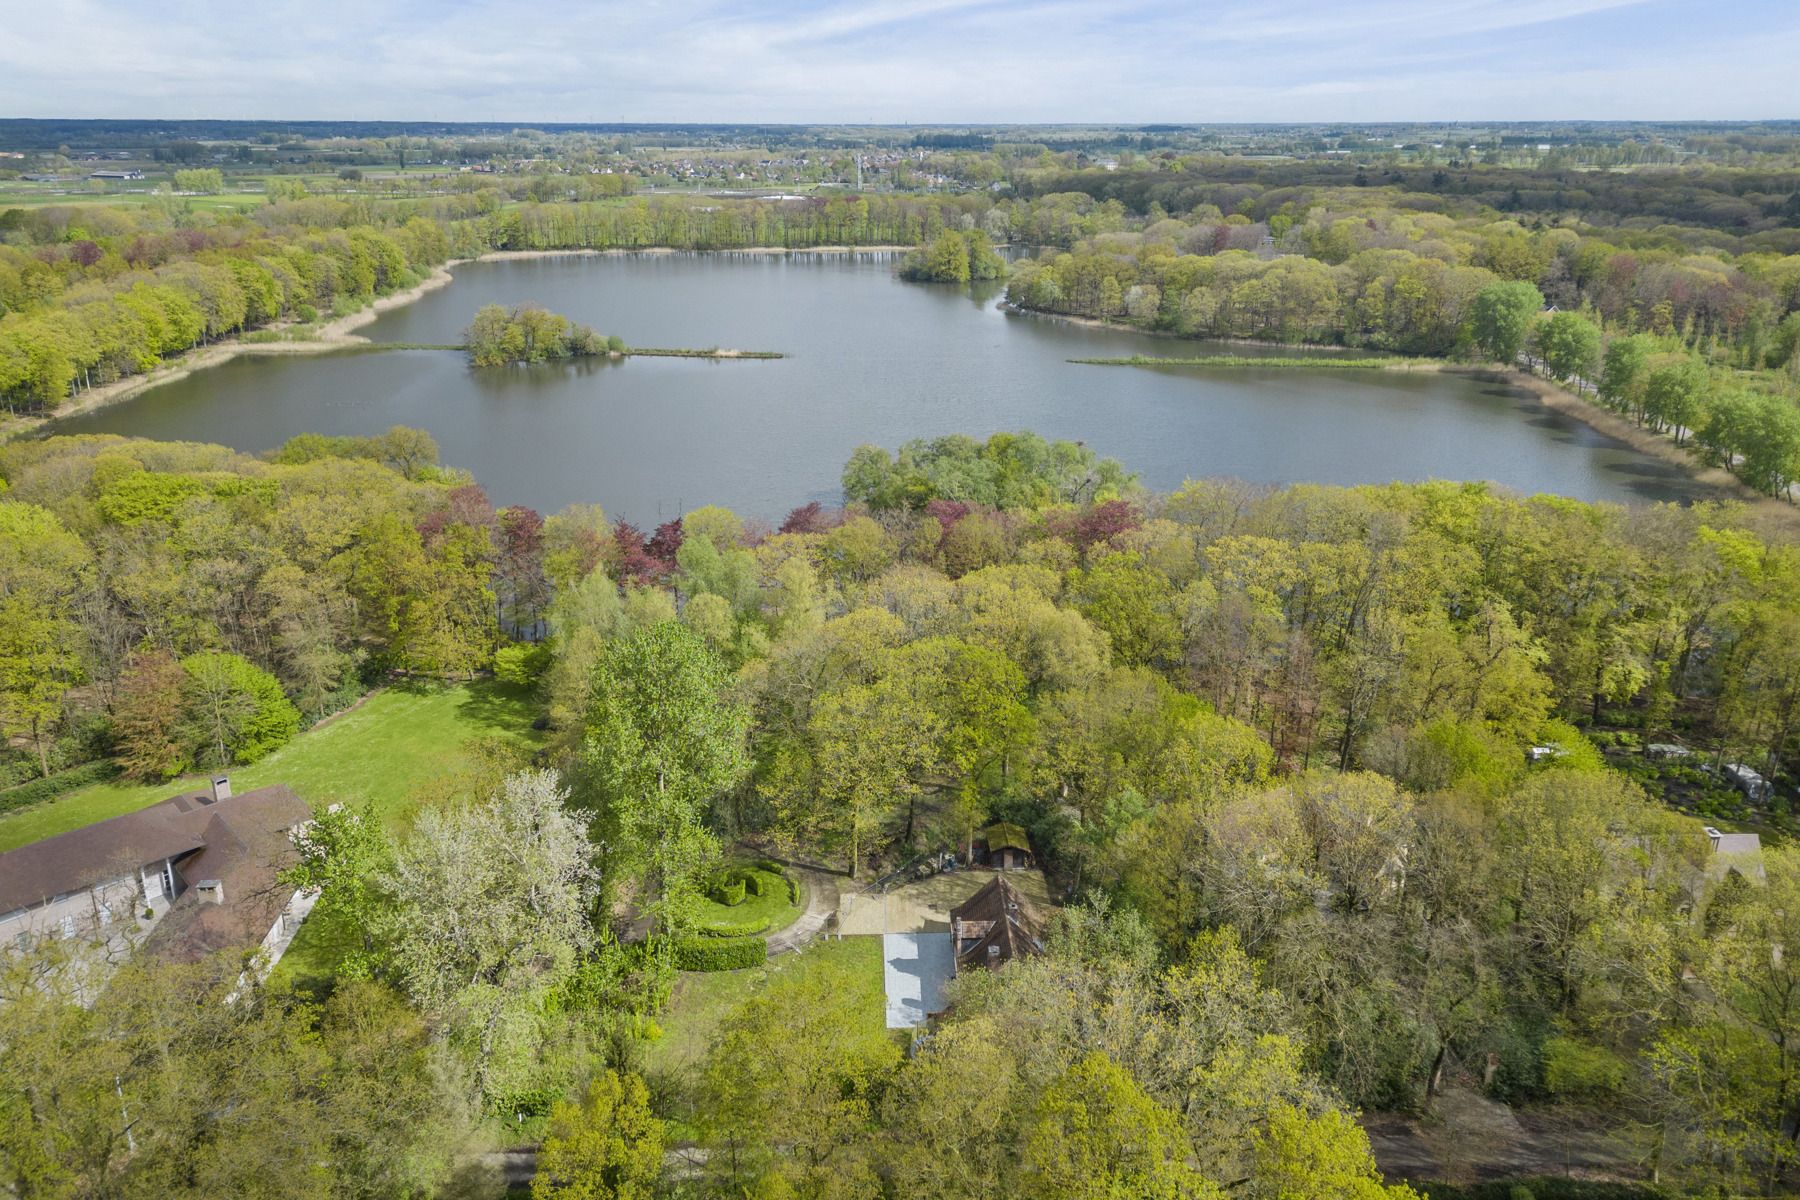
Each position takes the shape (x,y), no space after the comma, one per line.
(780,872)
(40,790)
(728,891)
(734,925)
(532,1101)
(719,954)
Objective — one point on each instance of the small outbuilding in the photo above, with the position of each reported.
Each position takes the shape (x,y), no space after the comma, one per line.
(1006,848)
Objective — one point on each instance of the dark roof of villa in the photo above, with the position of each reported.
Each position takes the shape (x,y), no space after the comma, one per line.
(996,917)
(245,851)
(172,828)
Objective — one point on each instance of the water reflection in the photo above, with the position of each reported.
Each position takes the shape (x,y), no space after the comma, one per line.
(871,359)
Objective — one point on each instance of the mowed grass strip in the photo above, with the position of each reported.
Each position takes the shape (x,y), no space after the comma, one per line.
(379,753)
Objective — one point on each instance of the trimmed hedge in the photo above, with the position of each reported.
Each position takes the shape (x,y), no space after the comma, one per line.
(781,872)
(57,786)
(729,892)
(719,954)
(733,926)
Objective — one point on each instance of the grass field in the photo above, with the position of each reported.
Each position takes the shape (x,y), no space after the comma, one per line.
(702,1000)
(27,196)
(378,753)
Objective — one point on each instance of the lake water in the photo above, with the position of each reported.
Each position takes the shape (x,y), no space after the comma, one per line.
(871,359)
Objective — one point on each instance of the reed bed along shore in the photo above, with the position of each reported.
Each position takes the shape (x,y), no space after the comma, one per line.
(1269,362)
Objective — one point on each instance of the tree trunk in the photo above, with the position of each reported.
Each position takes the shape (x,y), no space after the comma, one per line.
(1435,1080)
(37,736)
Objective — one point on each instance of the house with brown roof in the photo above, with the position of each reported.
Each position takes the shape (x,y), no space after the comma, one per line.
(192,874)
(993,927)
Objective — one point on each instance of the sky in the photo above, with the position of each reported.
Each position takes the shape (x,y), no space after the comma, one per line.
(902,61)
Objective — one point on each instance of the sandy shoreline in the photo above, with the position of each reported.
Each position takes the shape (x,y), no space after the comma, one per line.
(337,334)
(1766,510)
(333,335)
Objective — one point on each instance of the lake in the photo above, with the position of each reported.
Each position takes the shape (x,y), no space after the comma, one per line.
(870,359)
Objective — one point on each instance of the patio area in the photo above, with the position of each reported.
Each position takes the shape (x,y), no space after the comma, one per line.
(915,968)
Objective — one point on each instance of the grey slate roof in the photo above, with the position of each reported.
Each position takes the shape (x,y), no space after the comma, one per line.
(172,828)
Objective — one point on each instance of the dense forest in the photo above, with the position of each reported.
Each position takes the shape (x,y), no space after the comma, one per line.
(1271,744)
(1343,792)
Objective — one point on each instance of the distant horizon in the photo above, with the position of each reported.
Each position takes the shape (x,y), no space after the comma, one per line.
(902,62)
(947,124)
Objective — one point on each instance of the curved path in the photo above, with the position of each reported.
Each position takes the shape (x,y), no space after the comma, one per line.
(821,909)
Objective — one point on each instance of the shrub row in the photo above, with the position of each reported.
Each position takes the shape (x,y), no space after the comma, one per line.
(533,1101)
(55,786)
(776,869)
(719,954)
(1549,1187)
(729,891)
(734,925)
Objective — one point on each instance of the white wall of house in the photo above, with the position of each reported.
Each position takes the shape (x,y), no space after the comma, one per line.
(94,911)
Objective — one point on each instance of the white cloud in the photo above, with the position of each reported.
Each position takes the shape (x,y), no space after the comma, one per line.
(893,60)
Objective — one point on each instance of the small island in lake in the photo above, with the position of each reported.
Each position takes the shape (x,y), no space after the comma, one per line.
(954,257)
(499,337)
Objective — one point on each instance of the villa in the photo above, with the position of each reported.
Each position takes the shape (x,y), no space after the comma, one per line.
(190,875)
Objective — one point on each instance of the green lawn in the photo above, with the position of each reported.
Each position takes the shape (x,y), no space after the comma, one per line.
(379,753)
(765,913)
(703,1000)
(21,198)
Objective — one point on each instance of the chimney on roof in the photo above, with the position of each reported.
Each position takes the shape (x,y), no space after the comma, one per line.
(210,891)
(221,788)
